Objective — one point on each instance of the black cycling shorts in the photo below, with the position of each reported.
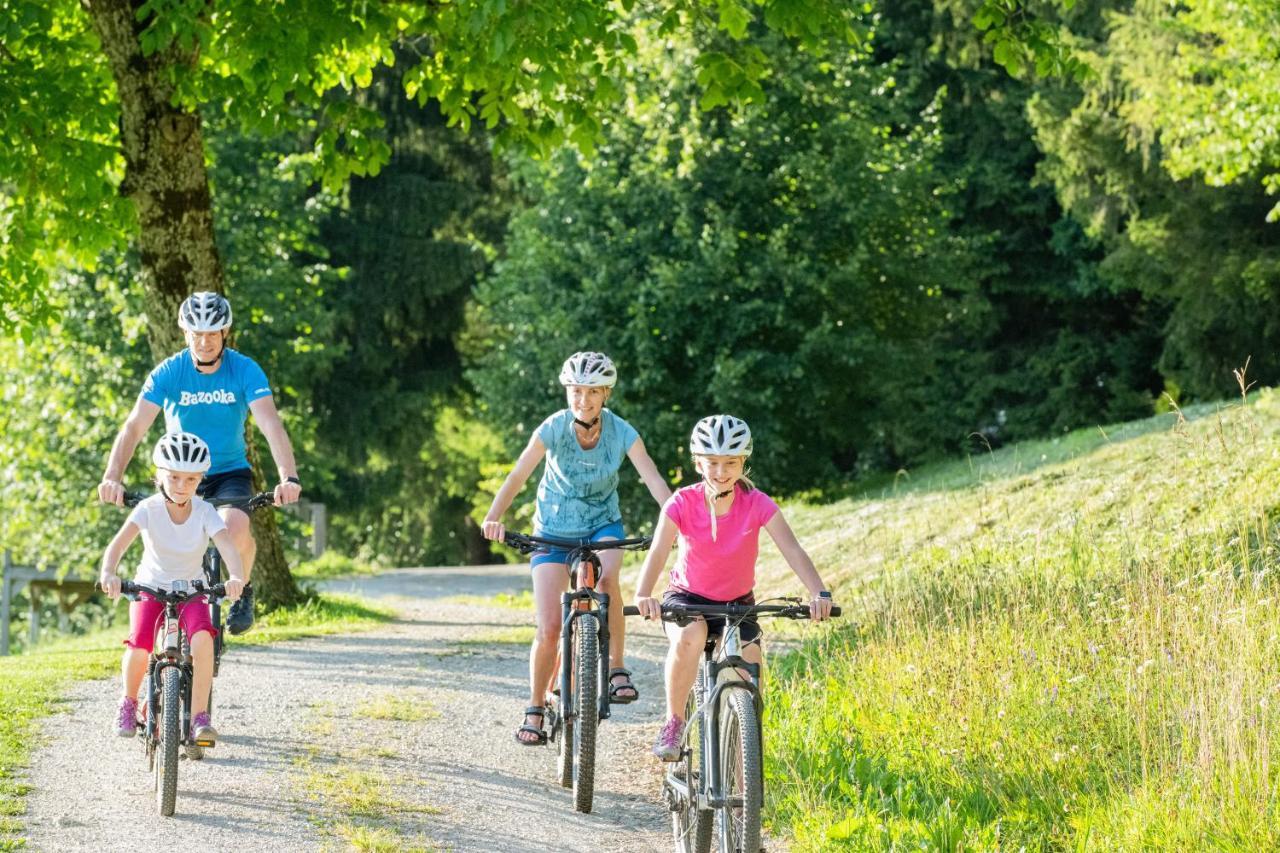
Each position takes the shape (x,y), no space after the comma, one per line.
(236,486)
(748,628)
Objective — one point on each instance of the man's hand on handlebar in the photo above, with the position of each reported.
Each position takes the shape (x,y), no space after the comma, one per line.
(287,492)
(111,492)
(234,587)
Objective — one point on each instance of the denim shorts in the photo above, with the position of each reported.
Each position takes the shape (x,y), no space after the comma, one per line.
(612,530)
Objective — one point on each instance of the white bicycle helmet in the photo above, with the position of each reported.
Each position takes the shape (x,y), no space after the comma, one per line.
(594,369)
(182,451)
(205,312)
(720,435)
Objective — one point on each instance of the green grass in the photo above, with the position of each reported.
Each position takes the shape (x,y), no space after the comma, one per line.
(331,565)
(350,785)
(395,706)
(1069,645)
(31,687)
(522,600)
(32,684)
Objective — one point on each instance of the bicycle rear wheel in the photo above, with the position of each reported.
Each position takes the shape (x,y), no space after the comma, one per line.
(564,748)
(738,820)
(586,694)
(691,826)
(170,717)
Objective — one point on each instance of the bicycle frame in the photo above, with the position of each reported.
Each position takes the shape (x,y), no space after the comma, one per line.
(171,649)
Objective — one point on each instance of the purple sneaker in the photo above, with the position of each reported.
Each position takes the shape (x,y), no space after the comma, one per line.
(202,731)
(127,717)
(667,746)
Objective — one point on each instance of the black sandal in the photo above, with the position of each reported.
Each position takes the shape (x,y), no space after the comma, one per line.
(614,698)
(541,713)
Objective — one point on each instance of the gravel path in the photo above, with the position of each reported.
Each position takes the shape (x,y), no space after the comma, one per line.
(315,754)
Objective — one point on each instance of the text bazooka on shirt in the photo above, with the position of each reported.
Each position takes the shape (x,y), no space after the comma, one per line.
(188,398)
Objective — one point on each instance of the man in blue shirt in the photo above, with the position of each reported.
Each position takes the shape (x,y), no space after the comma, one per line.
(210,390)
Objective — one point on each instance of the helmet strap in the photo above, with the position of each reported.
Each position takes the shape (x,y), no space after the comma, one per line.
(714,495)
(585,424)
(212,361)
(171,500)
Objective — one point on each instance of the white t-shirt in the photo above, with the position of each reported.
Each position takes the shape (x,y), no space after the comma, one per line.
(171,551)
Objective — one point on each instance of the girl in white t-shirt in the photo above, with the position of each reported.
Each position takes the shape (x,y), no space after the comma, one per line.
(176,527)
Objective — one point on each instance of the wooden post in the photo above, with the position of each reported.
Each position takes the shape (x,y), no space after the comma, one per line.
(33,596)
(319,529)
(6,592)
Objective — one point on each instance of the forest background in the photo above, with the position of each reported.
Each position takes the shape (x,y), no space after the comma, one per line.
(905,230)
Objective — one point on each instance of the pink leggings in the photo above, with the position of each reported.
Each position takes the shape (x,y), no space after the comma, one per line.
(145,614)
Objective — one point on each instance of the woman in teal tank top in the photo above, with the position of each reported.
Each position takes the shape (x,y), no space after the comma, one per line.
(584,446)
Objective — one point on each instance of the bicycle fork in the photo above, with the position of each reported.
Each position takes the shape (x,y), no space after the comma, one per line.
(572,607)
(715,786)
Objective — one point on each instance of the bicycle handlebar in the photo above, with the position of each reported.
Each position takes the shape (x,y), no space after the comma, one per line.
(250,505)
(684,612)
(527,544)
(131,590)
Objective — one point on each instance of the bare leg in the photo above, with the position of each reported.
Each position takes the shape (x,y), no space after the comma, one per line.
(686,648)
(241,534)
(550,580)
(132,668)
(202,671)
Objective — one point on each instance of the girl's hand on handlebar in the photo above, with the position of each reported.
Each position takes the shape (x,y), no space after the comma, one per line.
(234,587)
(820,608)
(110,585)
(649,607)
(493,530)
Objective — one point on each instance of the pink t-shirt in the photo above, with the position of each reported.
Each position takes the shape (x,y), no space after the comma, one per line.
(723,568)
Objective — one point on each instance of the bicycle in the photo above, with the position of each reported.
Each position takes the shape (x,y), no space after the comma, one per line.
(717,784)
(575,709)
(166,702)
(212,566)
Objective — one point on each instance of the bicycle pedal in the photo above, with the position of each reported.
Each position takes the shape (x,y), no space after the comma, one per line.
(206,744)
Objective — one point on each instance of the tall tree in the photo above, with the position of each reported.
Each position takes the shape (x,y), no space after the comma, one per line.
(116,86)
(785,264)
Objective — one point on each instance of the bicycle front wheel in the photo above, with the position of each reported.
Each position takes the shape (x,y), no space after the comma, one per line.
(738,819)
(586,695)
(170,721)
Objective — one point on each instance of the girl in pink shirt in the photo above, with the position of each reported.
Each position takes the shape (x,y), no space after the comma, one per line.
(718,522)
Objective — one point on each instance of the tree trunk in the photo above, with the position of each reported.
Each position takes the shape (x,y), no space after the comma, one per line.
(165,177)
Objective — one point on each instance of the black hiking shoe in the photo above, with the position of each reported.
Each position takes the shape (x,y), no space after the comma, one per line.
(240,619)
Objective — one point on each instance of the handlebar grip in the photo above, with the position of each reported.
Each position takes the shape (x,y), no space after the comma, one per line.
(630,610)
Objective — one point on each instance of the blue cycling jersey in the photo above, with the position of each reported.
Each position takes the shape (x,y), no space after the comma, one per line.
(214,405)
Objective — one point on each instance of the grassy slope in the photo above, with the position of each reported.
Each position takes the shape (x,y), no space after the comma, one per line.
(31,685)
(1067,645)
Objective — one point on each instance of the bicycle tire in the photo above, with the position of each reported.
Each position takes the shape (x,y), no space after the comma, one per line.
(692,827)
(170,738)
(738,827)
(586,695)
